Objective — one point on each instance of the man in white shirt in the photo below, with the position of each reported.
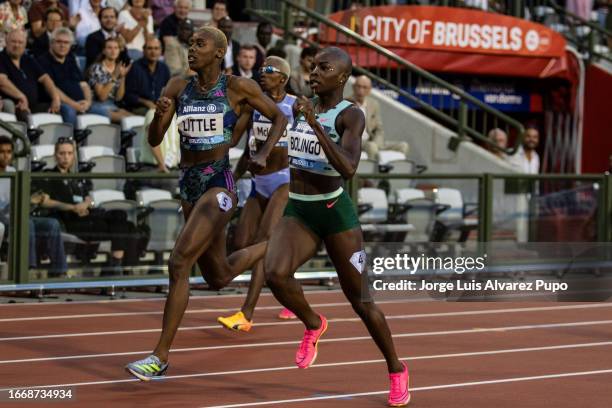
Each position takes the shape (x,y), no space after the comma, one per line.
(526,159)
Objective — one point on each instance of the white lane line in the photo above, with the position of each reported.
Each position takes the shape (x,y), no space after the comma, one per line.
(157,299)
(161,312)
(333,340)
(334,304)
(428,388)
(337,364)
(281,323)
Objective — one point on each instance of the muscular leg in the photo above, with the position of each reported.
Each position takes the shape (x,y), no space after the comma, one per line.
(196,236)
(340,248)
(290,245)
(247,224)
(272,214)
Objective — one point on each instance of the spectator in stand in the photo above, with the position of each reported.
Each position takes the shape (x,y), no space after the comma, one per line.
(108,29)
(136,24)
(582,8)
(526,159)
(246,63)
(264,42)
(168,28)
(373,138)
(9,89)
(176,49)
(26,74)
(299,83)
(610,164)
(53,20)
(44,233)
(161,9)
(13,16)
(107,79)
(89,11)
(61,65)
(231,53)
(68,201)
(499,139)
(118,5)
(277,51)
(37,12)
(218,11)
(146,79)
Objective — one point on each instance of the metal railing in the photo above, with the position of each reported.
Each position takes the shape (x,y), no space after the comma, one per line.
(466,115)
(483,189)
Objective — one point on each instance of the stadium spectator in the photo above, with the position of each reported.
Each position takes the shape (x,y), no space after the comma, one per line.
(25,73)
(9,89)
(40,44)
(68,201)
(610,164)
(161,9)
(44,233)
(526,159)
(176,49)
(168,28)
(264,42)
(246,63)
(89,22)
(499,139)
(118,5)
(277,51)
(13,16)
(299,83)
(62,67)
(146,79)
(218,11)
(582,8)
(233,47)
(107,79)
(37,14)
(373,138)
(95,41)
(135,23)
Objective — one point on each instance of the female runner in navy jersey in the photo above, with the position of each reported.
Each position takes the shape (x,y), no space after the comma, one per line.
(207,107)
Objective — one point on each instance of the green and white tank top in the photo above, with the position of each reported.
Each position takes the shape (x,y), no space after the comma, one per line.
(305,151)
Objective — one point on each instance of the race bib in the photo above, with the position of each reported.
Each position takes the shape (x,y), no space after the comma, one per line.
(225,201)
(358,260)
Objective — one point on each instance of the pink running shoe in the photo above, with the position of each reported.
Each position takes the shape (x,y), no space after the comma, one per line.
(399,395)
(286,314)
(307,352)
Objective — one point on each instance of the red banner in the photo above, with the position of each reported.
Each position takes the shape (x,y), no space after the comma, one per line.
(449,29)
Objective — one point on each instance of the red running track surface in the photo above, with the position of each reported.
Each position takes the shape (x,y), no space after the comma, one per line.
(477,355)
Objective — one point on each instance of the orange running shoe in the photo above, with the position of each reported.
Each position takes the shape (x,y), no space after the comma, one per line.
(307,352)
(236,322)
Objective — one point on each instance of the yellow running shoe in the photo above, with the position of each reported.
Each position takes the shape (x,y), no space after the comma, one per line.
(236,322)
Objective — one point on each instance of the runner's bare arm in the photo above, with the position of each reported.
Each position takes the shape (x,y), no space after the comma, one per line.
(243,124)
(344,157)
(166,106)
